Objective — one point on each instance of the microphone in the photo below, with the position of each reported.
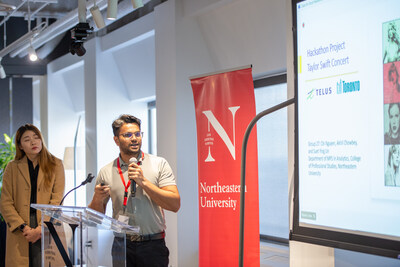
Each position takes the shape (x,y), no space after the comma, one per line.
(88,179)
(133,183)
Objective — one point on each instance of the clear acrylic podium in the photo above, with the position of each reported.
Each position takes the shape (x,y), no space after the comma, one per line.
(80,236)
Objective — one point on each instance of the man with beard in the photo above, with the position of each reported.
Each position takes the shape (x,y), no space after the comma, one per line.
(393,135)
(156,190)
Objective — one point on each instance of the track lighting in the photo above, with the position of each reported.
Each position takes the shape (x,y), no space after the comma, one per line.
(97,17)
(32,53)
(137,3)
(2,72)
(112,9)
(82,11)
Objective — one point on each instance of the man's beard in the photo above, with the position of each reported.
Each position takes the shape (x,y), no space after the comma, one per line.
(126,150)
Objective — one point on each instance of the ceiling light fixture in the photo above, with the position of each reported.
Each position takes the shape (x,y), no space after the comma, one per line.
(23,43)
(112,9)
(32,54)
(137,3)
(97,17)
(2,72)
(48,33)
(31,51)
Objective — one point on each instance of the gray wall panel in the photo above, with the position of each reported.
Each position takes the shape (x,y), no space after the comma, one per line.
(4,108)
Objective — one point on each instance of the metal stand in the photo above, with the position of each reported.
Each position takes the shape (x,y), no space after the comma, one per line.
(243,169)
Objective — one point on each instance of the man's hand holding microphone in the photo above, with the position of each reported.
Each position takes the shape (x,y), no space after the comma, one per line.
(135,174)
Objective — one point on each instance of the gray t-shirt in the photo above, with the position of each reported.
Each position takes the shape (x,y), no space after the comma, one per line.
(143,212)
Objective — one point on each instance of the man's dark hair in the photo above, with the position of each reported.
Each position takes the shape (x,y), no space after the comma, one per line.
(123,119)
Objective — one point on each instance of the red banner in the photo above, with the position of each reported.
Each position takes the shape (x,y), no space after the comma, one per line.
(225,105)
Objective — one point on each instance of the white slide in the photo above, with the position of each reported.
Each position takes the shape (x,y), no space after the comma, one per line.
(348,55)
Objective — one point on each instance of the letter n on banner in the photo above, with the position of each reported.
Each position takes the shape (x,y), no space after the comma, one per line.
(225,105)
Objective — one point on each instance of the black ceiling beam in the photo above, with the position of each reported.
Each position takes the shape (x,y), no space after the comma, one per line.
(25,70)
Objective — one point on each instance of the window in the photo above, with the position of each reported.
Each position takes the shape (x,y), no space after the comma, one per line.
(273,159)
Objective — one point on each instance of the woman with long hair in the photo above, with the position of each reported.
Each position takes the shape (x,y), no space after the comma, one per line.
(392,173)
(393,78)
(392,47)
(34,176)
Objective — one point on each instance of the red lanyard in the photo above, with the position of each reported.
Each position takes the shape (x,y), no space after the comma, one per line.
(123,180)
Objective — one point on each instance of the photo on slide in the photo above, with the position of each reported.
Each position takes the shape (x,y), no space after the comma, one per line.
(391,41)
(392,165)
(392,123)
(391,82)
(387,185)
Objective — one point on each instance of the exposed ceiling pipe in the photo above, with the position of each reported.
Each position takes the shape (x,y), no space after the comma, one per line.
(15,10)
(37,10)
(59,27)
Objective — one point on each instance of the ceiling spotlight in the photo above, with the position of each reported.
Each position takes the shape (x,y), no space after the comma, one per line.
(98,18)
(32,53)
(2,72)
(137,3)
(112,9)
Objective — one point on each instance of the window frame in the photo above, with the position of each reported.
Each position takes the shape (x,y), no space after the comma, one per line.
(259,83)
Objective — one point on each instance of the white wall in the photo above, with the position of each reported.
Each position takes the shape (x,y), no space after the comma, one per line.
(165,55)
(64,96)
(62,116)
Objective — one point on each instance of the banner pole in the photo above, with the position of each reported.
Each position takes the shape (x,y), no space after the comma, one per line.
(243,169)
(221,71)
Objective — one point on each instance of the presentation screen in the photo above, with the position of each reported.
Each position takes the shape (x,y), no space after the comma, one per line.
(347,66)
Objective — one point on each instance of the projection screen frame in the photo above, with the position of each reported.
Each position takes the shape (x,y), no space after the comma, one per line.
(332,238)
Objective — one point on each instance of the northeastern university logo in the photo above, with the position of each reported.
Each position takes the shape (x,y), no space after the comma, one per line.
(219,129)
